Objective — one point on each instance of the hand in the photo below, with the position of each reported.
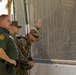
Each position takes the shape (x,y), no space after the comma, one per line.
(31,63)
(17,63)
(13,62)
(39,24)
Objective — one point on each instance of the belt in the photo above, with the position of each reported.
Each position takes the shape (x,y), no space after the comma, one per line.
(1,60)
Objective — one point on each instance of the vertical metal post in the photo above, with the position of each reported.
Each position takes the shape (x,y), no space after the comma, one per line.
(13,10)
(26,15)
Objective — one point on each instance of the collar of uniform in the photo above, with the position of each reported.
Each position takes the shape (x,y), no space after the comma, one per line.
(29,42)
(5,30)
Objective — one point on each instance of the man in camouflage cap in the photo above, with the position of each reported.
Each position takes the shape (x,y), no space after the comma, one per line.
(14,30)
(35,31)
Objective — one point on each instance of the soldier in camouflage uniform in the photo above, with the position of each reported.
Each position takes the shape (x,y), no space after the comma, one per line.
(24,46)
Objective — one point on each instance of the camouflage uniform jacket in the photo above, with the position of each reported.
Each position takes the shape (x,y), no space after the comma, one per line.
(24,46)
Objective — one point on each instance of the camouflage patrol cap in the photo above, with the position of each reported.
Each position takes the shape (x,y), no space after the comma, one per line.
(34,32)
(15,23)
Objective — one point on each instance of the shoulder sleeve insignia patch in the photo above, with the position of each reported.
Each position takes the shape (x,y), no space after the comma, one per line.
(1,37)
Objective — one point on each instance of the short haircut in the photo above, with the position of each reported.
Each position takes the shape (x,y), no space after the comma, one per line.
(3,16)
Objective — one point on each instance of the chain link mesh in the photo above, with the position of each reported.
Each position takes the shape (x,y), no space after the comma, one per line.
(58,32)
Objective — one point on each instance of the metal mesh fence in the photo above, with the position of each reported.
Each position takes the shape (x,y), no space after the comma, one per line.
(58,32)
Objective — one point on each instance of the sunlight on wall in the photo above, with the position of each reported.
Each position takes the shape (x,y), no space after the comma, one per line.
(3,9)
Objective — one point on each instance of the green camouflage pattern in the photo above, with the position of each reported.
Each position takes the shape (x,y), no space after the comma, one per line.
(23,45)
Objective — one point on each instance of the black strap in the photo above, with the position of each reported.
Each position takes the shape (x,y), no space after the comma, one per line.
(1,60)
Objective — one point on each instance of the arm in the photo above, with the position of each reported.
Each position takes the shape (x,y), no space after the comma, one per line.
(5,57)
(25,60)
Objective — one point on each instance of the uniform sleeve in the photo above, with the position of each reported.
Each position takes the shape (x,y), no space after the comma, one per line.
(23,58)
(23,42)
(3,41)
